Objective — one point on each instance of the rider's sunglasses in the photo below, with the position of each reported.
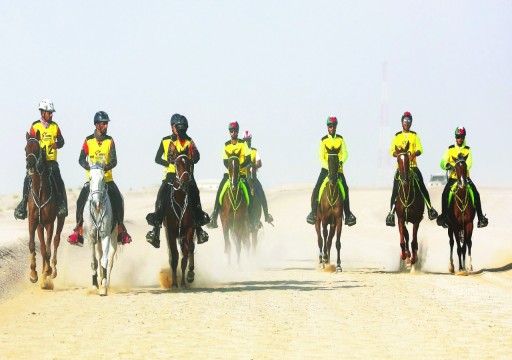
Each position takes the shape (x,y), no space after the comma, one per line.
(233,131)
(459,136)
(407,120)
(330,126)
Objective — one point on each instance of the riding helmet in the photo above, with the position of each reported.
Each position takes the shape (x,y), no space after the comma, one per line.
(406,114)
(101,116)
(247,135)
(332,120)
(174,119)
(182,123)
(233,126)
(46,105)
(460,132)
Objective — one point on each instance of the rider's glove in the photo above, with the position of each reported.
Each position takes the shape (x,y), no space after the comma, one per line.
(449,166)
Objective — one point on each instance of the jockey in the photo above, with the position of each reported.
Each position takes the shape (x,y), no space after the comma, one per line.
(180,140)
(448,163)
(256,163)
(330,141)
(51,140)
(233,145)
(100,147)
(415,148)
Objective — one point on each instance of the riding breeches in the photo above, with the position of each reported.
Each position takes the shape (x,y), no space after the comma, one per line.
(216,206)
(117,201)
(421,184)
(261,195)
(57,178)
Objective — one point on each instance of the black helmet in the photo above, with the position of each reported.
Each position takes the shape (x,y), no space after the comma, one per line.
(174,119)
(100,116)
(182,123)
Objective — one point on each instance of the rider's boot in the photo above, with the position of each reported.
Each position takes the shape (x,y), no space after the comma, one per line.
(21,210)
(311,219)
(153,236)
(202,236)
(390,219)
(202,218)
(213,218)
(123,237)
(432,213)
(482,221)
(268,218)
(76,237)
(350,219)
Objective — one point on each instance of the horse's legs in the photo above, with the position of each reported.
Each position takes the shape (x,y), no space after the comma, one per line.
(32,249)
(94,267)
(451,267)
(401,229)
(56,242)
(191,265)
(42,250)
(469,242)
(320,241)
(459,249)
(414,243)
(327,251)
(48,255)
(338,243)
(173,256)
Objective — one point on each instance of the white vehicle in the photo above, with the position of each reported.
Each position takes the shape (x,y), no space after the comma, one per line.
(438,180)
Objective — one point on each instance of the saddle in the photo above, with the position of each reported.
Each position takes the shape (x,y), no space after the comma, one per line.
(453,190)
(241,185)
(324,184)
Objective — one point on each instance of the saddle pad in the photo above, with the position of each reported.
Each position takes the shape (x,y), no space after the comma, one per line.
(324,184)
(240,185)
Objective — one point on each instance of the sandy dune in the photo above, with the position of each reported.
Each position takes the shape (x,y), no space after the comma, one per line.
(278,304)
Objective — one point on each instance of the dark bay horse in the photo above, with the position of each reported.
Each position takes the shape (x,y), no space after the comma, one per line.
(330,212)
(234,212)
(179,220)
(42,213)
(256,206)
(461,213)
(409,207)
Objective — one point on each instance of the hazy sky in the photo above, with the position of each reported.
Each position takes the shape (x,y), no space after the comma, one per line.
(279,68)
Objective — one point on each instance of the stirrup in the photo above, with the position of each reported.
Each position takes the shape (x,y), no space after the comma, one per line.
(441,221)
(390,219)
(153,238)
(202,236)
(311,219)
(20,213)
(212,224)
(483,222)
(350,219)
(432,214)
(269,218)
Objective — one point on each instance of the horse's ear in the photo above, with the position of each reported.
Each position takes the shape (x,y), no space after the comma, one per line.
(27,136)
(38,135)
(454,159)
(466,157)
(407,146)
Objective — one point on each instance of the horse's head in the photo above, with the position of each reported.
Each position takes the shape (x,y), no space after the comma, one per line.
(402,159)
(333,164)
(234,168)
(98,187)
(182,166)
(34,154)
(461,169)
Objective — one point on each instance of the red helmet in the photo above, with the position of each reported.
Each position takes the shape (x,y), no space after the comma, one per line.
(332,120)
(247,135)
(460,132)
(233,126)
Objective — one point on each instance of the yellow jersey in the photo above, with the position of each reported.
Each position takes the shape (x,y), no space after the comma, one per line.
(332,142)
(48,136)
(452,153)
(400,141)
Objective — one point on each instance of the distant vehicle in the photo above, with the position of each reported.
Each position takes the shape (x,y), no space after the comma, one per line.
(438,180)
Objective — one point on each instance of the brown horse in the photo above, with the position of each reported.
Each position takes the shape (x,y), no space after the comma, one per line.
(409,207)
(256,207)
(461,213)
(330,212)
(234,213)
(179,220)
(42,212)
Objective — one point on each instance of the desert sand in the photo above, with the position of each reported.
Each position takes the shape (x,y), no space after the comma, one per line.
(278,303)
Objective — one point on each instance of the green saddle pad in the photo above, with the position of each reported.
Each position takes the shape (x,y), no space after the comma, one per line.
(453,190)
(324,184)
(240,185)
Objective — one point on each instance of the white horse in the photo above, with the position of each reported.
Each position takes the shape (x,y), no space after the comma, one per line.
(99,228)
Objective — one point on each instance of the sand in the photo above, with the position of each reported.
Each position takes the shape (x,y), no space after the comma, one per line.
(278,303)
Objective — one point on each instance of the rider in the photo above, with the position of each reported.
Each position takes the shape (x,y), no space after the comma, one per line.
(448,163)
(50,140)
(244,156)
(331,141)
(415,149)
(256,163)
(100,147)
(180,140)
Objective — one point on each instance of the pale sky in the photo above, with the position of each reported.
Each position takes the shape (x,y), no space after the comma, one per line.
(279,68)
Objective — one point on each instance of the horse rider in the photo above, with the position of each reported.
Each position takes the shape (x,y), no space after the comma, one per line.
(100,147)
(400,140)
(256,163)
(244,155)
(448,163)
(179,140)
(332,141)
(50,140)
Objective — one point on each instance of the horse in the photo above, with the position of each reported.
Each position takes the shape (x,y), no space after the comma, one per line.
(100,229)
(409,206)
(234,212)
(42,213)
(330,212)
(179,219)
(461,213)
(256,207)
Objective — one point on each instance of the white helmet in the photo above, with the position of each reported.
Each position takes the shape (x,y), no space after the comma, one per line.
(46,105)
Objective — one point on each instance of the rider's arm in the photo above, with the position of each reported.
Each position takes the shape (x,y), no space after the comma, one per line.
(195,153)
(469,160)
(343,152)
(113,157)
(445,161)
(321,155)
(159,156)
(59,140)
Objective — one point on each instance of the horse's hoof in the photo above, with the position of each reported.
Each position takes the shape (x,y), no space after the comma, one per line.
(34,278)
(190,276)
(338,269)
(103,291)
(54,274)
(451,269)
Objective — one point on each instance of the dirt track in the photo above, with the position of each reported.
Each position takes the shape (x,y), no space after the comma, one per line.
(278,304)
